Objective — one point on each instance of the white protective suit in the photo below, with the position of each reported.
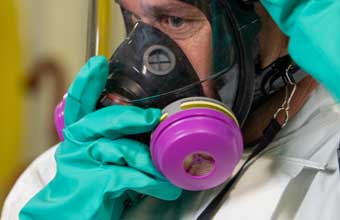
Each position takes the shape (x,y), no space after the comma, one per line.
(296,178)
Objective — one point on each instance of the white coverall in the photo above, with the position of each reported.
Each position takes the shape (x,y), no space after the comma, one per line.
(296,178)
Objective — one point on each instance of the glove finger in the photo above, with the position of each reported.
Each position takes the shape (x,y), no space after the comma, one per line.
(125,152)
(86,89)
(113,122)
(128,178)
(136,171)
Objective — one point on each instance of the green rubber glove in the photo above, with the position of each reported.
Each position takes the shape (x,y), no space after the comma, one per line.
(314,30)
(98,170)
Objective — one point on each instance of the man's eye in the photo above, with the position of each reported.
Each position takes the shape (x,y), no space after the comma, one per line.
(179,27)
(175,22)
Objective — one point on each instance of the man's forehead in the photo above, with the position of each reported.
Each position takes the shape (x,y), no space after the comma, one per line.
(150,6)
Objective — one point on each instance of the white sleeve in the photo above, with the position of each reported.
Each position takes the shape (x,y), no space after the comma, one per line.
(39,173)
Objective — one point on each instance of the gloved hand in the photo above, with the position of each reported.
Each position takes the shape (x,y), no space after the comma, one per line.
(313,29)
(98,169)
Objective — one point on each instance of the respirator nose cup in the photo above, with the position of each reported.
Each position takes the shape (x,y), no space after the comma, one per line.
(198,148)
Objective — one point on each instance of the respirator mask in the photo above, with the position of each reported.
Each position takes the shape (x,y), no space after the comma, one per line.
(195,61)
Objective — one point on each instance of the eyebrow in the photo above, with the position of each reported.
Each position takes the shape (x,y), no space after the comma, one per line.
(169,8)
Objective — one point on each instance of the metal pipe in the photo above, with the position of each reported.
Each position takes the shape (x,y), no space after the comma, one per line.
(92,42)
(99,22)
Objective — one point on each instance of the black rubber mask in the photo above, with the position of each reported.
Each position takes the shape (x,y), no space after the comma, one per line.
(149,70)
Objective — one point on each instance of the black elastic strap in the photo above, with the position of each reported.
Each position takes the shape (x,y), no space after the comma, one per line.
(249,1)
(273,78)
(268,135)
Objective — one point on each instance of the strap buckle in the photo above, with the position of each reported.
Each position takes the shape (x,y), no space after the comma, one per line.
(285,107)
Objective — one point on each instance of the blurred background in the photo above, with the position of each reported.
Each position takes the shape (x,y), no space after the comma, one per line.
(43,44)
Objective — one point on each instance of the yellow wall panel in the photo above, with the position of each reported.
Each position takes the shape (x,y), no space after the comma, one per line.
(11,87)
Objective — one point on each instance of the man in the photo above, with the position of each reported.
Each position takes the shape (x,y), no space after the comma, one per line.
(99,169)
